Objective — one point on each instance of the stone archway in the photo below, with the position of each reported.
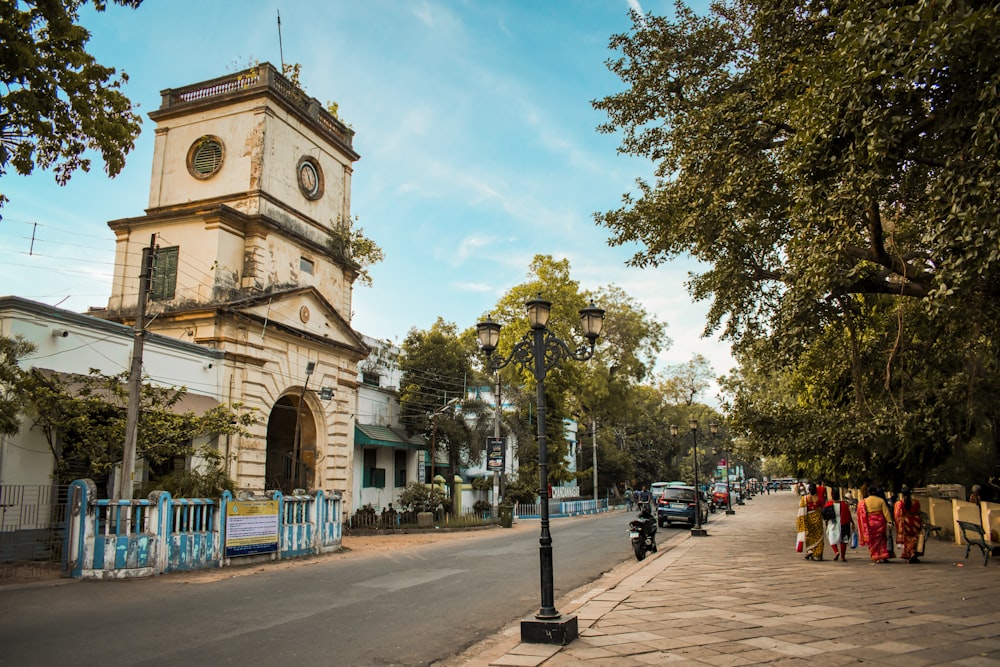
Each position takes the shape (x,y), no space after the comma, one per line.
(282,471)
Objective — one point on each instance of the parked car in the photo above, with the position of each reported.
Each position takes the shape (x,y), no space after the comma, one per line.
(720,494)
(678,504)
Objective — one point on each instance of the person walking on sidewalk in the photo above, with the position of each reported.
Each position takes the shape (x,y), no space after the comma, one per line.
(874,519)
(839,524)
(908,524)
(809,524)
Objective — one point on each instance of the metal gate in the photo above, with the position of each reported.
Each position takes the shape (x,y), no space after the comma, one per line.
(32,521)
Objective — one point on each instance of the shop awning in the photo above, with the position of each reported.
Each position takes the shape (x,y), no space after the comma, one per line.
(386,436)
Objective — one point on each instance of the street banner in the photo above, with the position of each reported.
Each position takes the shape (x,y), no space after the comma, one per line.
(496,448)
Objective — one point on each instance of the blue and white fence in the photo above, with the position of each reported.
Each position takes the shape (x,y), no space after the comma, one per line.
(559,508)
(109,539)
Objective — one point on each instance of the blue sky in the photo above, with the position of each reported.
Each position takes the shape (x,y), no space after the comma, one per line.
(478,149)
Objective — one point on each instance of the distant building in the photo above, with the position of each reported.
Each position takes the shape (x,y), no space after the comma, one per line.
(385,457)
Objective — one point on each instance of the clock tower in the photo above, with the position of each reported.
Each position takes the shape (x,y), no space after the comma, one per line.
(249,216)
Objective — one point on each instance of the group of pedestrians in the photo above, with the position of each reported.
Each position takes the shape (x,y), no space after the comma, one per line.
(824,518)
(637,499)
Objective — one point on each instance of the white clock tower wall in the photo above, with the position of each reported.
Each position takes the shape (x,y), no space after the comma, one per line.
(250,180)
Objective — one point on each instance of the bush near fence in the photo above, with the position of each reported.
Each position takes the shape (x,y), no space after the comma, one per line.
(368,518)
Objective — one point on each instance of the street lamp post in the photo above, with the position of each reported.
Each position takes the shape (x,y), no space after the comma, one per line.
(697,531)
(725,452)
(729,489)
(739,482)
(537,352)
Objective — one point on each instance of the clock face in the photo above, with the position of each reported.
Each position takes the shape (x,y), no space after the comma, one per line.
(309,179)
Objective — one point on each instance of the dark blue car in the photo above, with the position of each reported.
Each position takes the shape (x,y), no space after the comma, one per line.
(677,504)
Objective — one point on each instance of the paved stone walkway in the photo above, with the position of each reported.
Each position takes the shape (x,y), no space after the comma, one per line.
(743,596)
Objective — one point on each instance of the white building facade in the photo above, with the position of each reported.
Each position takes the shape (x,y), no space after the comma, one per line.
(386,459)
(69,344)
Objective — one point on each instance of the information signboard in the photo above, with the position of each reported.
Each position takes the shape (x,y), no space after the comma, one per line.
(496,448)
(251,527)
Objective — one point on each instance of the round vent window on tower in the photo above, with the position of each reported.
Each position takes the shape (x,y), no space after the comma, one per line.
(205,157)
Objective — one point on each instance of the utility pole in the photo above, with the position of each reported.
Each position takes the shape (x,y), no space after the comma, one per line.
(593,436)
(125,488)
(434,428)
(496,438)
(297,436)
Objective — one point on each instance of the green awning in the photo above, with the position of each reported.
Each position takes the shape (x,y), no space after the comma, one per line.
(386,436)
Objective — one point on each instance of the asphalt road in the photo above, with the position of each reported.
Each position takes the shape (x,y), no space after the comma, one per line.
(409,606)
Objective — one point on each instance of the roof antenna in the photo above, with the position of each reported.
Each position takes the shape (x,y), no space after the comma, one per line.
(281,51)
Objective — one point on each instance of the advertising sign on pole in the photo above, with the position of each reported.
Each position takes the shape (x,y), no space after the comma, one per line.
(496,448)
(251,527)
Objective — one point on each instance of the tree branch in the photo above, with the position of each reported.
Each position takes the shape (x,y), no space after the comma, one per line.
(903,269)
(873,285)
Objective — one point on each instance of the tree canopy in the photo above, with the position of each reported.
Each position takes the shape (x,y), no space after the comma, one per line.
(436,375)
(12,351)
(83,420)
(834,164)
(57,102)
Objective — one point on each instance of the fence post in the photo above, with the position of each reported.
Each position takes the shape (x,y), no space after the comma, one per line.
(220,526)
(317,516)
(160,525)
(78,526)
(282,538)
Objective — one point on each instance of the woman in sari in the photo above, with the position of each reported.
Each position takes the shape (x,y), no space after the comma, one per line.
(839,524)
(874,519)
(909,523)
(809,524)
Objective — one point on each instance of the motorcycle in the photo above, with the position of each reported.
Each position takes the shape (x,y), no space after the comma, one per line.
(642,533)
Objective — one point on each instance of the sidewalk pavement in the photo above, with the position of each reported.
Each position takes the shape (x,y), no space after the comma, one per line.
(743,596)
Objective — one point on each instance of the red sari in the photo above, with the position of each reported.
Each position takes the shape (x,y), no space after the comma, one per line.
(873,519)
(908,525)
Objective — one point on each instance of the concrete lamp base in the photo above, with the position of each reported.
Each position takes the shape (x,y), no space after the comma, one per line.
(728,512)
(560,630)
(699,532)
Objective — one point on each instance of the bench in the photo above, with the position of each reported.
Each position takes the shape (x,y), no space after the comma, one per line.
(929,528)
(973,534)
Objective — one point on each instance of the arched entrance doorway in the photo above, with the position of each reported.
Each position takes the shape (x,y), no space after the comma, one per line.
(287,469)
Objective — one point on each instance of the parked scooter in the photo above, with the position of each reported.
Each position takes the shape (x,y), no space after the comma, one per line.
(642,532)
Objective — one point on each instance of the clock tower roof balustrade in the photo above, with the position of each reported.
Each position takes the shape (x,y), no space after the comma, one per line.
(263,79)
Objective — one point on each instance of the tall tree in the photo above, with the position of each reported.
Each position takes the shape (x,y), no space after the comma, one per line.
(833,164)
(12,351)
(436,370)
(83,421)
(57,101)
(602,389)
(549,279)
(684,382)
